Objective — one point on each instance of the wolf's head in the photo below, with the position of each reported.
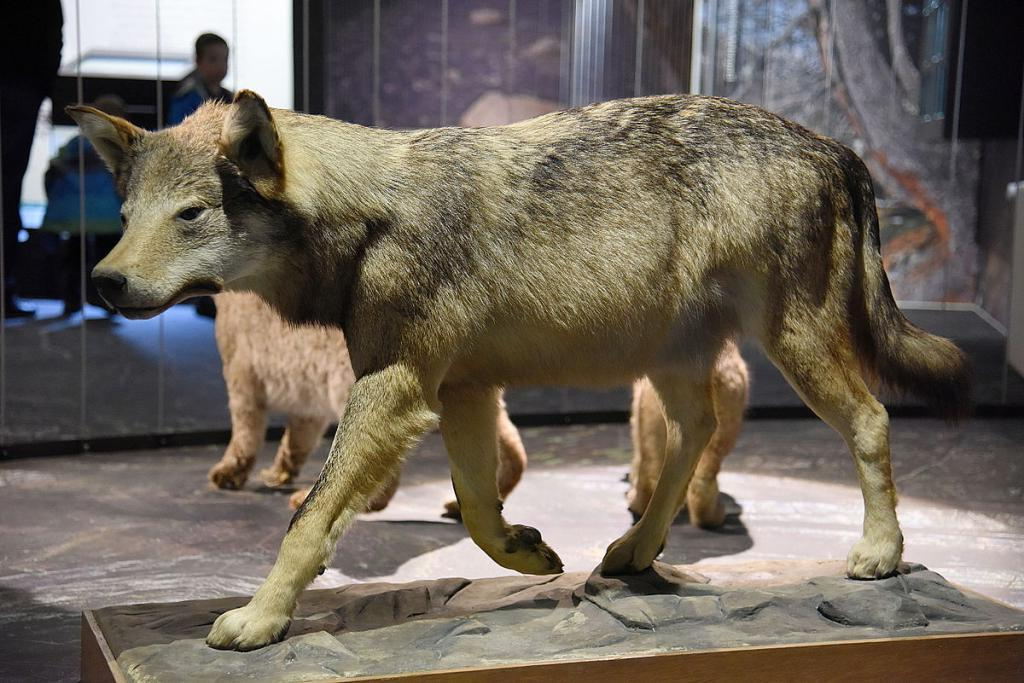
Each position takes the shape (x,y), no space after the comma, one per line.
(201,209)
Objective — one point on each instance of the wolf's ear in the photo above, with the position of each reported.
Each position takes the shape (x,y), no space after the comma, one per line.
(249,139)
(112,137)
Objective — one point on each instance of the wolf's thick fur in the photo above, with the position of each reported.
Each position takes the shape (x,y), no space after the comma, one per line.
(303,371)
(592,246)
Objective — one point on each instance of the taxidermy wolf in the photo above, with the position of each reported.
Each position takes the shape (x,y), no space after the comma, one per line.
(305,372)
(591,246)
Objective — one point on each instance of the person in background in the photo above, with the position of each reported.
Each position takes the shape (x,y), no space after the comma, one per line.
(199,86)
(102,219)
(30,45)
(203,83)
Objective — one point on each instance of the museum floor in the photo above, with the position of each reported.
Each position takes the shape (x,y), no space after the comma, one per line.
(88,531)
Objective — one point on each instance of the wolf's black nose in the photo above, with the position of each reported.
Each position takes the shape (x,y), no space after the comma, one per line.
(109,282)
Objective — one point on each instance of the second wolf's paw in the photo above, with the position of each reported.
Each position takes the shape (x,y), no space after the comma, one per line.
(274,476)
(525,552)
(452,510)
(874,558)
(247,628)
(630,554)
(295,500)
(379,501)
(228,475)
(705,506)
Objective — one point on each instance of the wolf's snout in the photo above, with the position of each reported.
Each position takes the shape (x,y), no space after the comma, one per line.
(110,283)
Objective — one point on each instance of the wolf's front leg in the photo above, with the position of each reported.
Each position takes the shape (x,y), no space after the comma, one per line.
(248,429)
(468,425)
(301,437)
(386,413)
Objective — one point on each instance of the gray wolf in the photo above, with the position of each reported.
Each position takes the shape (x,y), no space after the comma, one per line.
(592,246)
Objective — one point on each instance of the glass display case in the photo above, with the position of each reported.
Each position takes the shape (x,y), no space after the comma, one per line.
(886,77)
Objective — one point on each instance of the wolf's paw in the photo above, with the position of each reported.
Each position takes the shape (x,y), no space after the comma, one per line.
(874,558)
(379,501)
(452,510)
(705,506)
(247,628)
(524,551)
(228,475)
(274,476)
(295,500)
(630,554)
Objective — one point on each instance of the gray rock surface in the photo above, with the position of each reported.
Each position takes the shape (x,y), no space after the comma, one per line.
(377,629)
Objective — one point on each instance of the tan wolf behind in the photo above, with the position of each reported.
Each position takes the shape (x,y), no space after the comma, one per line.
(592,246)
(304,372)
(729,391)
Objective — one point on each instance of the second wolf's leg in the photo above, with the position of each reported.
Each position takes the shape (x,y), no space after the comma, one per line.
(647,426)
(468,423)
(380,500)
(386,413)
(729,384)
(511,454)
(248,430)
(376,503)
(689,424)
(511,461)
(301,437)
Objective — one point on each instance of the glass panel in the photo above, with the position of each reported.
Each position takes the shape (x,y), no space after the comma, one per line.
(72,372)
(190,395)
(117,59)
(1000,294)
(883,77)
(1013,371)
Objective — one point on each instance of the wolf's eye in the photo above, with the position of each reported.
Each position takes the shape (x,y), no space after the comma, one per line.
(191,213)
(124,220)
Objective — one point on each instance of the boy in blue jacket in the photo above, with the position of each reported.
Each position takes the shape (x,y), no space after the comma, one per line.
(203,83)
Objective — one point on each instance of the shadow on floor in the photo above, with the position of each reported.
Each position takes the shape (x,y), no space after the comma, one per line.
(396,542)
(45,635)
(687,544)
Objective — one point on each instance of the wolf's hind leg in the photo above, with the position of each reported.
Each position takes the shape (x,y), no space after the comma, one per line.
(729,385)
(468,426)
(248,430)
(511,454)
(301,437)
(376,503)
(647,429)
(386,412)
(824,371)
(689,424)
(381,498)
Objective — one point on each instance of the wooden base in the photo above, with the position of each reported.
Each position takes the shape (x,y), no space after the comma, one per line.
(98,662)
(973,656)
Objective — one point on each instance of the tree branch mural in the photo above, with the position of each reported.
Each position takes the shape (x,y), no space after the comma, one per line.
(843,68)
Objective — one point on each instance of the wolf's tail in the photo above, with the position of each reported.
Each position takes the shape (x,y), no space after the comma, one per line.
(902,355)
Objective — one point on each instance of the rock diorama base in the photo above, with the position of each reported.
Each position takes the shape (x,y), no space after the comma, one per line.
(768,620)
